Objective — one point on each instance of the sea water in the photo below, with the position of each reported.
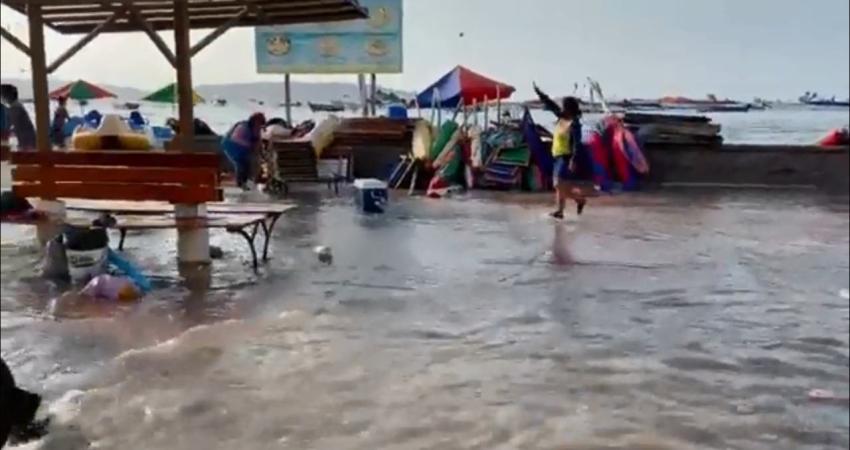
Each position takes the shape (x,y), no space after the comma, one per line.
(787,125)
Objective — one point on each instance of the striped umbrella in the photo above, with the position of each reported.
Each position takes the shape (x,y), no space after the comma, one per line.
(81,90)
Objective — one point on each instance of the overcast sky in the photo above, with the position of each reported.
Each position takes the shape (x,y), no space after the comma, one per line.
(736,48)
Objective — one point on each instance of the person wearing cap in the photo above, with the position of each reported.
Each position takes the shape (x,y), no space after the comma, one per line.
(241,144)
(60,118)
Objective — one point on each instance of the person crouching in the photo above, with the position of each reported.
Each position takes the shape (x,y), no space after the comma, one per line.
(241,144)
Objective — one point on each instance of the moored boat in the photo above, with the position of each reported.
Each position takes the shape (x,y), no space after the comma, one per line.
(326,107)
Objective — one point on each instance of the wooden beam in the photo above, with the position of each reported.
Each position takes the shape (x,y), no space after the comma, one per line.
(165,24)
(85,40)
(167,10)
(119,191)
(14,41)
(142,23)
(215,34)
(128,175)
(183,55)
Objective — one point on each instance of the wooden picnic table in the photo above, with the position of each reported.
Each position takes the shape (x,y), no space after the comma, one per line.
(245,225)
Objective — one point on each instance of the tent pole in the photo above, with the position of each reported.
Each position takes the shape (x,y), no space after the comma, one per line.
(486,112)
(374,95)
(498,104)
(361,84)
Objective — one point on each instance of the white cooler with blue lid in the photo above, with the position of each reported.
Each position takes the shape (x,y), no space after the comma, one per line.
(371,195)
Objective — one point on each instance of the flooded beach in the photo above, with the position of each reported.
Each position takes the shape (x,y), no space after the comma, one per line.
(661,320)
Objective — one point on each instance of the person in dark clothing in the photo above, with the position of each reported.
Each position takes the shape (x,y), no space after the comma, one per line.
(60,118)
(201,127)
(20,123)
(17,410)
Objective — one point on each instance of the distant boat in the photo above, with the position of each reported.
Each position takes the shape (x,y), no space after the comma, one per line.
(326,107)
(131,106)
(725,107)
(292,104)
(812,99)
(220,102)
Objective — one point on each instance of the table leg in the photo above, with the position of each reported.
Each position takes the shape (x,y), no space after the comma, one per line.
(123,232)
(250,239)
(268,230)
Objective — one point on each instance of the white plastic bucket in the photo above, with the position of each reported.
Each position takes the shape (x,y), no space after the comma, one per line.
(85,264)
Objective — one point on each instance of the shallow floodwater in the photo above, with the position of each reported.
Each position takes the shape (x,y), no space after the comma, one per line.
(675,320)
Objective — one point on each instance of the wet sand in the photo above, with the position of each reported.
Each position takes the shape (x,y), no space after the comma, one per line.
(675,320)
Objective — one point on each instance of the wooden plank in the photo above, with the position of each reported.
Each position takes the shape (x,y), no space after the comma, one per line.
(148,207)
(97,175)
(119,158)
(117,191)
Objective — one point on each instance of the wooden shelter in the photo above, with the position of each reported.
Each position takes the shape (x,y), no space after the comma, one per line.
(92,18)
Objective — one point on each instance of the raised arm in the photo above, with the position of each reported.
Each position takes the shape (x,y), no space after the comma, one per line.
(548,103)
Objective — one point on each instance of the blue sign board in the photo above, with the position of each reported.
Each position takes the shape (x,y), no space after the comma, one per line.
(372,45)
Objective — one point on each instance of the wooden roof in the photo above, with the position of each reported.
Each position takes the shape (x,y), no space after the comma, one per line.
(83,16)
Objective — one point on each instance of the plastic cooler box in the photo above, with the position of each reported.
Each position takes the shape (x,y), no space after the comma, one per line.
(371,195)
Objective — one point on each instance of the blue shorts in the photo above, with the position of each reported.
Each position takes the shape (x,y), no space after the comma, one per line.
(562,170)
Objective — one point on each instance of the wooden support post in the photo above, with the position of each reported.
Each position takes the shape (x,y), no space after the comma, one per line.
(287,97)
(184,75)
(15,41)
(39,77)
(55,210)
(193,244)
(84,41)
(215,34)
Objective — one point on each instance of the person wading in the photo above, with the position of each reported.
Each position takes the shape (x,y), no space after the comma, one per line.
(60,118)
(566,143)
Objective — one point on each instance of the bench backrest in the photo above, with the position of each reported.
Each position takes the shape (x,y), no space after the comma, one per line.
(188,178)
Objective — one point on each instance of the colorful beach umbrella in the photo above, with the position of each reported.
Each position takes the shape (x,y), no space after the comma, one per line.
(462,84)
(168,94)
(81,90)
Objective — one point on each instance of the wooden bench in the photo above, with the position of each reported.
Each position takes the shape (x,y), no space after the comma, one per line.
(177,178)
(234,217)
(292,162)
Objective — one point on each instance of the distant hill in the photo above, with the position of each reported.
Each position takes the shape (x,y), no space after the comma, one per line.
(270,92)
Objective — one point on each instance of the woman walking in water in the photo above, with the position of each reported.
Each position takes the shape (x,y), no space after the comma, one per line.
(566,143)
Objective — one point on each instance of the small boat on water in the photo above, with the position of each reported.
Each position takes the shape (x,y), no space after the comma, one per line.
(326,107)
(220,102)
(725,107)
(129,106)
(812,99)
